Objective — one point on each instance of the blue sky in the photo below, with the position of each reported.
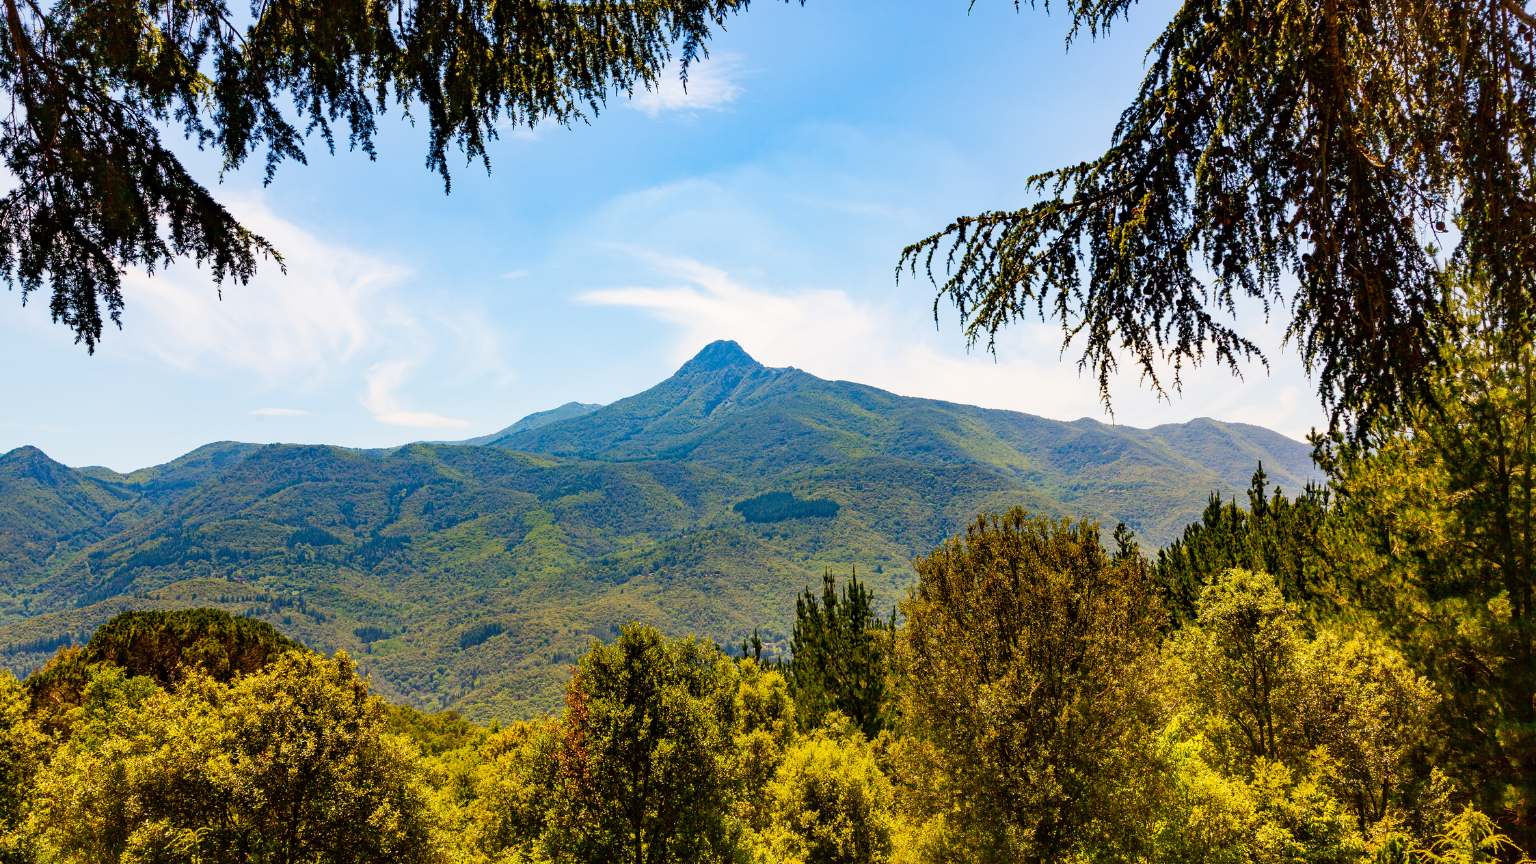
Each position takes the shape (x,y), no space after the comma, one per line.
(767,204)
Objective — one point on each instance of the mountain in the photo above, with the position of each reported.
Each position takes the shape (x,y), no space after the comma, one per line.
(471,575)
(536,420)
(44,504)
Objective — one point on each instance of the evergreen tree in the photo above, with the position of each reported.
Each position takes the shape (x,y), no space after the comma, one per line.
(1435,530)
(839,656)
(1310,157)
(97,86)
(1275,534)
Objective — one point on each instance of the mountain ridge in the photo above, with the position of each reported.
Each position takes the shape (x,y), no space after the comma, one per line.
(567,526)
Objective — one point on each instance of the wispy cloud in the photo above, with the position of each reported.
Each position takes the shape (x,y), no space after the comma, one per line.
(831,334)
(711,305)
(381,398)
(340,319)
(282,327)
(712,85)
(514,275)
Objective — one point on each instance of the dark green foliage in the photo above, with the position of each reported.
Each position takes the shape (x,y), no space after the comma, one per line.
(1274,534)
(97,85)
(779,506)
(370,633)
(1358,151)
(45,502)
(309,535)
(1434,531)
(435,733)
(840,656)
(45,644)
(753,647)
(479,633)
(162,645)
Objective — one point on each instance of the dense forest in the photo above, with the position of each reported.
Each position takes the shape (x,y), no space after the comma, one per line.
(1344,674)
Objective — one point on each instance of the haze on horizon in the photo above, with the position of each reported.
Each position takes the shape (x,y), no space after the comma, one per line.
(767,204)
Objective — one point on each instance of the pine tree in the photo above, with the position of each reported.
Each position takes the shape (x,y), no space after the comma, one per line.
(1275,534)
(1435,528)
(839,656)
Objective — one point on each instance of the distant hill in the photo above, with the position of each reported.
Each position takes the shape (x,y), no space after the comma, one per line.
(535,421)
(471,575)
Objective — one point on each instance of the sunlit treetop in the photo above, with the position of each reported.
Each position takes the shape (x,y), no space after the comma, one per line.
(94,85)
(1333,163)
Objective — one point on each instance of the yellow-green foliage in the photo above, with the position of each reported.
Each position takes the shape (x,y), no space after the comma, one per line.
(831,803)
(290,763)
(765,729)
(1469,837)
(21,751)
(1029,661)
(1042,714)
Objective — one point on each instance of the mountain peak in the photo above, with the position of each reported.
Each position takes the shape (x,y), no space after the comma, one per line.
(24,453)
(721,354)
(28,461)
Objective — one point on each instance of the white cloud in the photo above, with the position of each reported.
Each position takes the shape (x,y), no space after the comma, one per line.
(514,275)
(339,318)
(833,335)
(806,328)
(381,398)
(711,86)
(281,327)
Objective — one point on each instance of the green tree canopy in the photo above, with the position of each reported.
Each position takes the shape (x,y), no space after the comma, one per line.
(1274,533)
(1435,533)
(1245,646)
(831,803)
(1334,160)
(21,754)
(1028,659)
(96,86)
(644,764)
(283,765)
(162,644)
(839,655)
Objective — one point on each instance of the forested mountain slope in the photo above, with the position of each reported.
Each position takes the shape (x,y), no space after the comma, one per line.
(469,575)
